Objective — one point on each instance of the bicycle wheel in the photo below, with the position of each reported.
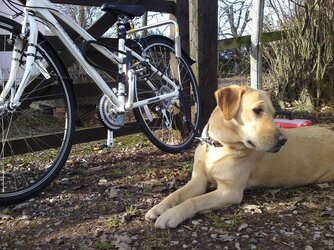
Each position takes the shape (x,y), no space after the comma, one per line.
(36,137)
(169,124)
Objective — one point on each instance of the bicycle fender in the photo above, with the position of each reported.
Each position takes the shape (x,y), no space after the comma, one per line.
(184,54)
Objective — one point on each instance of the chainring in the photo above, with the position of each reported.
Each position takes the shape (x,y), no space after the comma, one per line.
(109,118)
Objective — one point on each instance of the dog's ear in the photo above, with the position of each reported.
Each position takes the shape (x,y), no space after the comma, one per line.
(228,100)
(267,92)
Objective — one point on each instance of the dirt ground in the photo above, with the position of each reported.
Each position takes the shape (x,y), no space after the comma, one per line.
(100,198)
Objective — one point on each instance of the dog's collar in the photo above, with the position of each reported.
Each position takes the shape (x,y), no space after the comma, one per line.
(206,139)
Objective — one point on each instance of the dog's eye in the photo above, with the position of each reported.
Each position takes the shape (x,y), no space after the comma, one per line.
(258,111)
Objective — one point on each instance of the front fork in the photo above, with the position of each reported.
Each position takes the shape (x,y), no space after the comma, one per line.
(29,31)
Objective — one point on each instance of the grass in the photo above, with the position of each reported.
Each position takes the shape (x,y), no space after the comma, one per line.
(138,140)
(5,211)
(158,240)
(120,144)
(104,246)
(113,223)
(131,210)
(318,218)
(216,221)
(186,168)
(128,194)
(116,172)
(80,150)
(43,157)
(228,224)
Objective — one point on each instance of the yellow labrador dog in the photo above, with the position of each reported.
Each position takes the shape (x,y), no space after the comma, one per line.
(239,153)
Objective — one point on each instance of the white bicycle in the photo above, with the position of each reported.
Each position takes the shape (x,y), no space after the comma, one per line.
(38,111)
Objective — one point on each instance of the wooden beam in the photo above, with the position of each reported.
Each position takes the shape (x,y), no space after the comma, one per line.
(203,49)
(182,16)
(19,146)
(223,44)
(100,133)
(245,41)
(96,30)
(150,5)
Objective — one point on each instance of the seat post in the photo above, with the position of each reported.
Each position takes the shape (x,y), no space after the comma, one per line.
(122,22)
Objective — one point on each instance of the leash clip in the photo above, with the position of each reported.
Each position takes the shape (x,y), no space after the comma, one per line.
(202,140)
(209,141)
(205,138)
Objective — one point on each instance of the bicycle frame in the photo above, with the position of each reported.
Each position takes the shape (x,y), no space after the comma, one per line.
(48,11)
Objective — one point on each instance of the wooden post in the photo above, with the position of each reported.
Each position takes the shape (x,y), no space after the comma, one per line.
(203,49)
(256,43)
(182,15)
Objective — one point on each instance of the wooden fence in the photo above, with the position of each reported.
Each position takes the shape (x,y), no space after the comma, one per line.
(202,27)
(198,26)
(245,41)
(233,63)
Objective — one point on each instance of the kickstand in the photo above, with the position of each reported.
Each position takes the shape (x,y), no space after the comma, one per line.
(110,138)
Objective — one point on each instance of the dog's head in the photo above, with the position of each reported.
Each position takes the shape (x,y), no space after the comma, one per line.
(248,115)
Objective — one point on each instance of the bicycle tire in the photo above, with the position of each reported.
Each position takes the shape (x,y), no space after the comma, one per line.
(36,137)
(169,124)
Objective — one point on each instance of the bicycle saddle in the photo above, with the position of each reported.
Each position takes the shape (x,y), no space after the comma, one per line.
(130,10)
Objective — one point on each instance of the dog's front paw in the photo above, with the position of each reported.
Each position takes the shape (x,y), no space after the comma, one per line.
(169,219)
(156,211)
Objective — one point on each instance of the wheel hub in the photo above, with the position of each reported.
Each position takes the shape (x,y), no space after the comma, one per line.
(166,90)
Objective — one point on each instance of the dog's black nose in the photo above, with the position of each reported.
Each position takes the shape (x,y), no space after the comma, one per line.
(282,139)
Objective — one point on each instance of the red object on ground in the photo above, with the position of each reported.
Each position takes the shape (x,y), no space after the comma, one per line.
(293,123)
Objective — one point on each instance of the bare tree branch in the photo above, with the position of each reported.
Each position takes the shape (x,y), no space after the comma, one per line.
(235,15)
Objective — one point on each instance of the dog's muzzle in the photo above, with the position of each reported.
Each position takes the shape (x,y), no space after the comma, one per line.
(282,139)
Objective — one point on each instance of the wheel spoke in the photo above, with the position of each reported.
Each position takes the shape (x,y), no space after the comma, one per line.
(35,138)
(171,123)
